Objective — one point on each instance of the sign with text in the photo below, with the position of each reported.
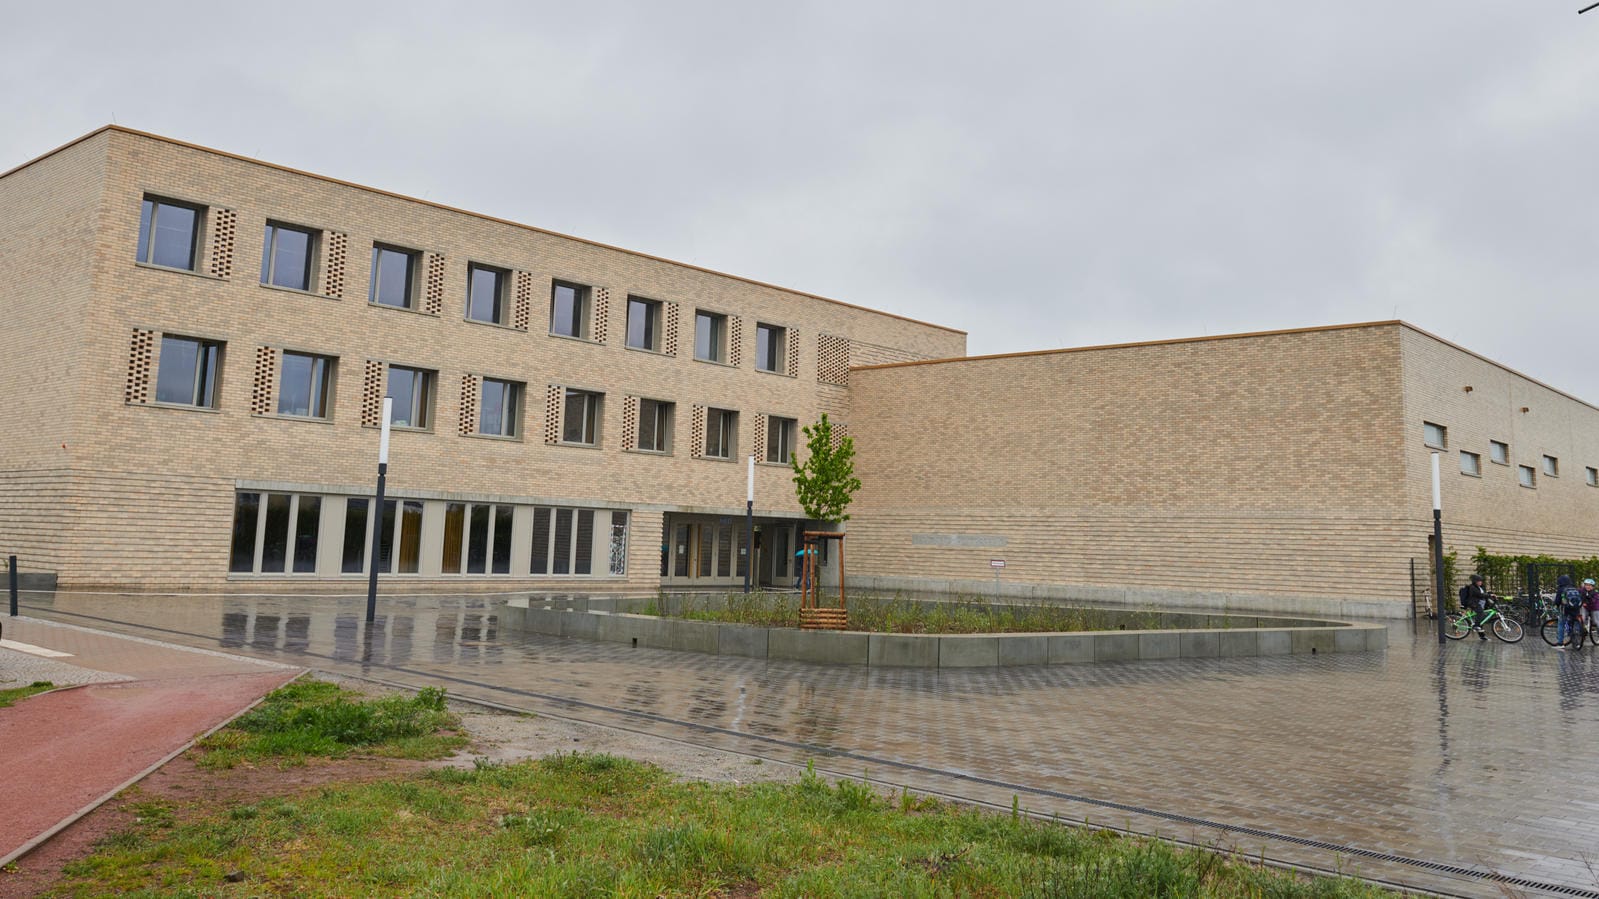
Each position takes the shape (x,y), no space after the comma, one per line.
(996,563)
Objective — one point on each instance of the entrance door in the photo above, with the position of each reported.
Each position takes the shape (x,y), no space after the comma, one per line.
(705,551)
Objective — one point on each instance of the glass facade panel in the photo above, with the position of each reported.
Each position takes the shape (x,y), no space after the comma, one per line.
(583,552)
(246,512)
(411,538)
(541,541)
(619,544)
(724,550)
(307,529)
(454,535)
(275,536)
(501,563)
(393,277)
(562,553)
(168,234)
(385,526)
(355,536)
(477,541)
(680,550)
(286,257)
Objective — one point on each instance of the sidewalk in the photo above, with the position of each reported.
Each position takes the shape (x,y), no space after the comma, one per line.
(139,704)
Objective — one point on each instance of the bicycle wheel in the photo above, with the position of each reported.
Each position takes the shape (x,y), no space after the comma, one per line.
(1550,631)
(1508,630)
(1457,627)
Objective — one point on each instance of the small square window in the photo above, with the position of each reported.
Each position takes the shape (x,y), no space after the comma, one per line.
(1526,476)
(188,371)
(499,408)
(305,385)
(710,336)
(1593,476)
(485,293)
(1470,463)
(569,309)
(780,439)
(721,433)
(654,426)
(771,343)
(1499,452)
(643,324)
(169,233)
(412,392)
(1434,435)
(286,254)
(1551,466)
(393,277)
(580,422)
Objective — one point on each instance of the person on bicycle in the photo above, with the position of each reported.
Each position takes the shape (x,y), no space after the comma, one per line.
(1475,598)
(1590,595)
(1572,603)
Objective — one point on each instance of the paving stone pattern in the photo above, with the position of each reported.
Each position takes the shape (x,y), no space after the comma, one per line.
(1454,759)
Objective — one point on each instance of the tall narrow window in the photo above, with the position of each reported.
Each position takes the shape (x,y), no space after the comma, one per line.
(477,541)
(500,562)
(307,530)
(654,426)
(246,512)
(188,371)
(355,535)
(710,336)
(275,542)
(540,557)
(400,537)
(303,385)
(412,391)
(485,293)
(569,309)
(580,421)
(721,426)
(583,551)
(169,233)
(562,554)
(499,408)
(286,254)
(770,348)
(454,536)
(619,544)
(643,324)
(779,439)
(393,277)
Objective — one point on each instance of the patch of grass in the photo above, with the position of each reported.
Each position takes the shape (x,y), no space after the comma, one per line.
(11,696)
(316,718)
(585,825)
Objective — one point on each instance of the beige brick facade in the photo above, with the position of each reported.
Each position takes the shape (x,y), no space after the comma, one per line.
(107,486)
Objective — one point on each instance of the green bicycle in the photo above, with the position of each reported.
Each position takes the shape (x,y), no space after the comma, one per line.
(1462,623)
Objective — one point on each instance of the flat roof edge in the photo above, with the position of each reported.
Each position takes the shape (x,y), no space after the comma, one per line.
(122,129)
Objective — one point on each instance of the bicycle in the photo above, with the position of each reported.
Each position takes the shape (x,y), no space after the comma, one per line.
(1550,631)
(1465,621)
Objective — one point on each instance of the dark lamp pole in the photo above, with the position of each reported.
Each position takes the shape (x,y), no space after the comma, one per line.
(1438,547)
(749,527)
(377,513)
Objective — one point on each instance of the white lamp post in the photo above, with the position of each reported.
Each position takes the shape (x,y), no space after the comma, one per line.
(1438,547)
(749,527)
(377,513)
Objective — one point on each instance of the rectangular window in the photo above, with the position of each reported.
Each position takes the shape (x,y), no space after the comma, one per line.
(1470,463)
(569,309)
(454,536)
(771,344)
(485,293)
(246,511)
(1434,435)
(583,551)
(721,426)
(562,553)
(400,541)
(307,528)
(779,439)
(304,385)
(412,391)
(393,277)
(619,543)
(355,535)
(643,324)
(499,411)
(477,541)
(580,422)
(541,541)
(275,543)
(1527,476)
(188,371)
(1551,466)
(169,233)
(286,254)
(1499,452)
(278,536)
(500,563)
(710,336)
(1593,476)
(654,426)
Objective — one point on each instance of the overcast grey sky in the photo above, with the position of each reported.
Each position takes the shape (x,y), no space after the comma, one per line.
(1038,174)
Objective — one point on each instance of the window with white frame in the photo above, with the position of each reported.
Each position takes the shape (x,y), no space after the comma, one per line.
(305,385)
(485,293)
(412,392)
(563,541)
(478,535)
(188,371)
(654,426)
(499,408)
(580,420)
(569,309)
(399,529)
(1470,463)
(710,336)
(1434,435)
(275,533)
(1499,452)
(721,433)
(780,439)
(286,255)
(169,233)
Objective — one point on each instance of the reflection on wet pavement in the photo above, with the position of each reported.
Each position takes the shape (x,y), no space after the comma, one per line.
(1400,765)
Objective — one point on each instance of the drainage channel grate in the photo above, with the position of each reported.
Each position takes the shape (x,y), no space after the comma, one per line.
(1355,851)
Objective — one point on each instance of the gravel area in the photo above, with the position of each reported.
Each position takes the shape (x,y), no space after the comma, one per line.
(18,669)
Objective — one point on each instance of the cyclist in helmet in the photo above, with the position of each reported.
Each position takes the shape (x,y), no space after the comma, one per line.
(1475,598)
(1590,596)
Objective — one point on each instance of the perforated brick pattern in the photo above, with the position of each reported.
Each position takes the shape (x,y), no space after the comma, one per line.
(793,338)
(522,313)
(735,341)
(602,314)
(224,232)
(758,445)
(469,399)
(840,432)
(629,422)
(262,385)
(697,434)
(433,296)
(552,413)
(669,329)
(832,360)
(141,355)
(372,394)
(338,260)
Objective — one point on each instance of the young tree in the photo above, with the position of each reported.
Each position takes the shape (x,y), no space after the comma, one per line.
(826,482)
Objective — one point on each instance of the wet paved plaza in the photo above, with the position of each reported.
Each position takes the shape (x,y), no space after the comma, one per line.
(1448,770)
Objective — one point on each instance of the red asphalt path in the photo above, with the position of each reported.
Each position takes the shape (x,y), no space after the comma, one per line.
(66,750)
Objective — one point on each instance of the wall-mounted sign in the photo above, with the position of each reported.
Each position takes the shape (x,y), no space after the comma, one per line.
(996,563)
